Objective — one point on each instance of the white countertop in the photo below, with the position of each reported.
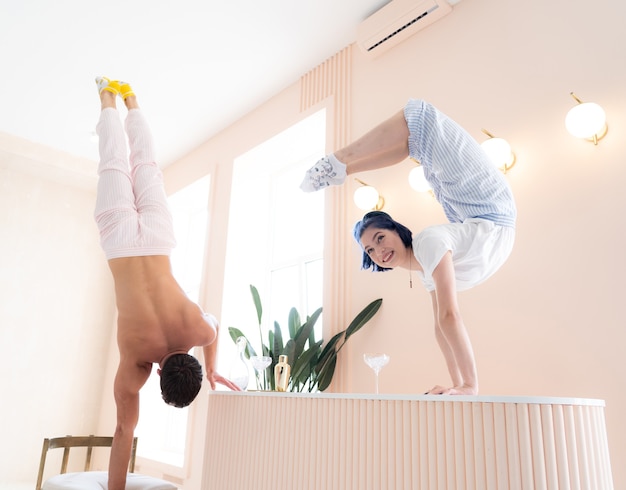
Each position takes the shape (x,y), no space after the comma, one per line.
(534,400)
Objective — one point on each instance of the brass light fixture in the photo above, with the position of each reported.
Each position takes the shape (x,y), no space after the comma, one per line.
(499,151)
(417,180)
(586,120)
(367,197)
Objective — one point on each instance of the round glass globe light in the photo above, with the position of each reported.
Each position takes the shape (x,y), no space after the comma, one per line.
(585,120)
(417,180)
(499,151)
(366,197)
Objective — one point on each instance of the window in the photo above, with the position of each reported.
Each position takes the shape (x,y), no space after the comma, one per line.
(275,234)
(162,429)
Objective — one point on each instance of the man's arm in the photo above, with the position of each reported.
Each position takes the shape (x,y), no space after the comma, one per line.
(210,358)
(128,381)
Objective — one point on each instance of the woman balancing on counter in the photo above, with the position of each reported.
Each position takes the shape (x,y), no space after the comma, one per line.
(448,258)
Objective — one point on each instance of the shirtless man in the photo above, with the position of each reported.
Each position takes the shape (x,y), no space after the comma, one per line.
(157,323)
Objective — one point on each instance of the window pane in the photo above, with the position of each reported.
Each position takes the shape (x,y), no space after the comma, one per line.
(314,276)
(297,218)
(285,295)
(274,230)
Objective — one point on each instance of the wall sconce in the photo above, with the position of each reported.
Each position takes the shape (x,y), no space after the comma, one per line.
(417,180)
(586,120)
(499,151)
(367,198)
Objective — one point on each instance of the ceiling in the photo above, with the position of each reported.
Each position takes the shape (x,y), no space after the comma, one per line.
(196,65)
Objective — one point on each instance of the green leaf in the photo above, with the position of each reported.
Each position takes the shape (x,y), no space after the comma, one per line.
(326,375)
(293,322)
(289,350)
(235,333)
(305,332)
(257,302)
(266,350)
(302,365)
(278,341)
(328,351)
(270,347)
(363,317)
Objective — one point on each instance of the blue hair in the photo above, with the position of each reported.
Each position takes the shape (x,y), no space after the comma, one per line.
(380,219)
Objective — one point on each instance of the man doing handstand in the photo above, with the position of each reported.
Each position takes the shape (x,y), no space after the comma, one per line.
(156,323)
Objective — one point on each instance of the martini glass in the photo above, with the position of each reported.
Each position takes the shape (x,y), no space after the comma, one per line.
(376,361)
(239,370)
(260,363)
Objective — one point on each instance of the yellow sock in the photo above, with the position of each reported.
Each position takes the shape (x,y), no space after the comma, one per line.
(125,90)
(104,83)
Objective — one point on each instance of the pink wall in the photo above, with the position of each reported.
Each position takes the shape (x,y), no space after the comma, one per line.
(549,323)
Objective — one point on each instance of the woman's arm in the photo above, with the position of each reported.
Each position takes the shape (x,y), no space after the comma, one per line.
(452,335)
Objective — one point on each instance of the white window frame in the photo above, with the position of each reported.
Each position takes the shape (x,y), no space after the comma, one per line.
(266,165)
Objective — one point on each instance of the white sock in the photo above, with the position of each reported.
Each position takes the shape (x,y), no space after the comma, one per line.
(327,171)
(338,165)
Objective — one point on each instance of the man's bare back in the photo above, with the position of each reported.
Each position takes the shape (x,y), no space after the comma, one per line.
(155,317)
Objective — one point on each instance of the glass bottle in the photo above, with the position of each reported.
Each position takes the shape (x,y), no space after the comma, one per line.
(281,374)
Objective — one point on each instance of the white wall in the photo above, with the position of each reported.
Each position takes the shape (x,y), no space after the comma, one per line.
(57,309)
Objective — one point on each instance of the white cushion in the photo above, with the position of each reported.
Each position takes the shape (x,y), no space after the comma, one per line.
(97,480)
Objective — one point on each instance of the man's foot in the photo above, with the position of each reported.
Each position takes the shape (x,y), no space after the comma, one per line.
(125,90)
(327,171)
(104,84)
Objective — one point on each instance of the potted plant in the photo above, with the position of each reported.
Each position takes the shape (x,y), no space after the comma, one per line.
(312,362)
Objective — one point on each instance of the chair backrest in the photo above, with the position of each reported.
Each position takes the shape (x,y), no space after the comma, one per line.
(69,442)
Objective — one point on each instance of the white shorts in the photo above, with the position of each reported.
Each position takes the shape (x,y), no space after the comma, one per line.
(479,248)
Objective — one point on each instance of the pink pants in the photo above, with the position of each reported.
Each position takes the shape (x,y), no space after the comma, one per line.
(131,212)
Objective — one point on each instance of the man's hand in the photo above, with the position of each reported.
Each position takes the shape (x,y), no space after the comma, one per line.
(455,390)
(215,378)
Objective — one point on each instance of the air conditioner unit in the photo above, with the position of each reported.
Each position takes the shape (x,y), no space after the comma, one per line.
(398,20)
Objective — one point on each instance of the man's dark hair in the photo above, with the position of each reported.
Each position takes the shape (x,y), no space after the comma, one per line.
(380,219)
(181,379)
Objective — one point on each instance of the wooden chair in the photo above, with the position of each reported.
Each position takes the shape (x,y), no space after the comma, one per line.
(87,479)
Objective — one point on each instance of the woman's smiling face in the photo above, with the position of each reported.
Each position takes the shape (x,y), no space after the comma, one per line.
(385,247)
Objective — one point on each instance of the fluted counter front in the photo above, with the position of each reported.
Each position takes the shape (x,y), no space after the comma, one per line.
(279,441)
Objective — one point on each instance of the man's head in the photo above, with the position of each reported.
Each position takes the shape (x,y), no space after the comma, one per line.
(379,220)
(181,379)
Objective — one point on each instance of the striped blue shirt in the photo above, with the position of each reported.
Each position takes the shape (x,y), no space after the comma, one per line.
(463,178)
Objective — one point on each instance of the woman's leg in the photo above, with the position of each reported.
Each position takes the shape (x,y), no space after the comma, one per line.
(383,146)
